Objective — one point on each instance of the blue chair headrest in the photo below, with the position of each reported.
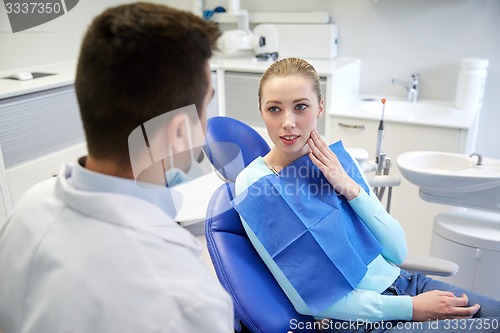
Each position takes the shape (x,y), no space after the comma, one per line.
(231,145)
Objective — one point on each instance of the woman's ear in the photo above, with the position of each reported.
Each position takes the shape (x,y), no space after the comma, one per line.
(321,108)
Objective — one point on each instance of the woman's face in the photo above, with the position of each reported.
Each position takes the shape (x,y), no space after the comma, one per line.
(290,110)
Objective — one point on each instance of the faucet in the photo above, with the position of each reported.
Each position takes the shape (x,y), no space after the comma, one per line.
(479,158)
(411,86)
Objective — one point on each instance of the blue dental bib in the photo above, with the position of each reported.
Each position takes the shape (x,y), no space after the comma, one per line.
(309,230)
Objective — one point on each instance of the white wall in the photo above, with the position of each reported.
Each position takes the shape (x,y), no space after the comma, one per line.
(55,41)
(394,38)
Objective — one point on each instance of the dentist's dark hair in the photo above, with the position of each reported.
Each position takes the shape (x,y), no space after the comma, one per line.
(138,61)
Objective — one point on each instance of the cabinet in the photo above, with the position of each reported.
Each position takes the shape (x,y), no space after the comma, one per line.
(39,132)
(415,215)
(472,240)
(23,176)
(213,106)
(39,123)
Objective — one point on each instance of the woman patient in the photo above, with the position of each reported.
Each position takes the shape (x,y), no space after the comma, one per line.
(344,221)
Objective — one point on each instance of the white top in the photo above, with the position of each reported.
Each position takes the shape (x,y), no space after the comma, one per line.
(65,73)
(452,118)
(472,228)
(75,260)
(252,65)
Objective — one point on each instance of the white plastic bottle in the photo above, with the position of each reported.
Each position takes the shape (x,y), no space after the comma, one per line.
(471,83)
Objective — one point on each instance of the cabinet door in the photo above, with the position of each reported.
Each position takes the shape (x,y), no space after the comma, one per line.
(487,272)
(3,214)
(463,256)
(355,133)
(213,106)
(479,269)
(241,96)
(25,175)
(415,215)
(398,138)
(39,131)
(40,123)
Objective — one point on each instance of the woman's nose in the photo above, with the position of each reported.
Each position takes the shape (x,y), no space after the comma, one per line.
(289,119)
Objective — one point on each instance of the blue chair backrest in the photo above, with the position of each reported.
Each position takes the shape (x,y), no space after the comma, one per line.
(259,302)
(231,145)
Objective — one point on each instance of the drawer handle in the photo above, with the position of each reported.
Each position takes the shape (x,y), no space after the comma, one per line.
(352,126)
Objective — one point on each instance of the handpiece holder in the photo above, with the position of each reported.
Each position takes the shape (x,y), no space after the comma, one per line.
(381,180)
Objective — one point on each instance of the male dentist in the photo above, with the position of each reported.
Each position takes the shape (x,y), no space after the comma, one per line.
(92,250)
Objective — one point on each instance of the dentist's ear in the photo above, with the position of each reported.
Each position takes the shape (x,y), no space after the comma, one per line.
(176,133)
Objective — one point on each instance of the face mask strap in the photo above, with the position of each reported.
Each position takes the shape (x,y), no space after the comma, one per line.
(190,145)
(190,139)
(170,155)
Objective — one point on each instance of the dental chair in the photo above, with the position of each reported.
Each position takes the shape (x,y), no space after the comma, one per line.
(260,305)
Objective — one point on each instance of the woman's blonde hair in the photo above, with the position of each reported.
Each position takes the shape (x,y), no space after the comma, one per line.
(289,67)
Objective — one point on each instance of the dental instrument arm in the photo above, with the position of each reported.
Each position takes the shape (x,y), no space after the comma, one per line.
(380,137)
(380,158)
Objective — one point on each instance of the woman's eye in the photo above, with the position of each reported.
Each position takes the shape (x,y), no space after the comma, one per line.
(300,107)
(273,109)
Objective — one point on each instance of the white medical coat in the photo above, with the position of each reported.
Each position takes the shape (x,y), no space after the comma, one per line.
(89,262)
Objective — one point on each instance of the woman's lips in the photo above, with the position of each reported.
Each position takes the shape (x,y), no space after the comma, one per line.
(289,139)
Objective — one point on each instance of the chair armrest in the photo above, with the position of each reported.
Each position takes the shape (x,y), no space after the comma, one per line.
(429,265)
(384,180)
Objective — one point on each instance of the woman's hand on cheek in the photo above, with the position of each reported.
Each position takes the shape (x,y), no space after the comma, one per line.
(326,160)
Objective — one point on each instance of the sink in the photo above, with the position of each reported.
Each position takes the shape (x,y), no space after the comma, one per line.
(405,109)
(448,171)
(453,178)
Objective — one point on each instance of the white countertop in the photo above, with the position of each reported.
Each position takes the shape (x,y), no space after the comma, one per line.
(244,64)
(196,195)
(64,75)
(455,118)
